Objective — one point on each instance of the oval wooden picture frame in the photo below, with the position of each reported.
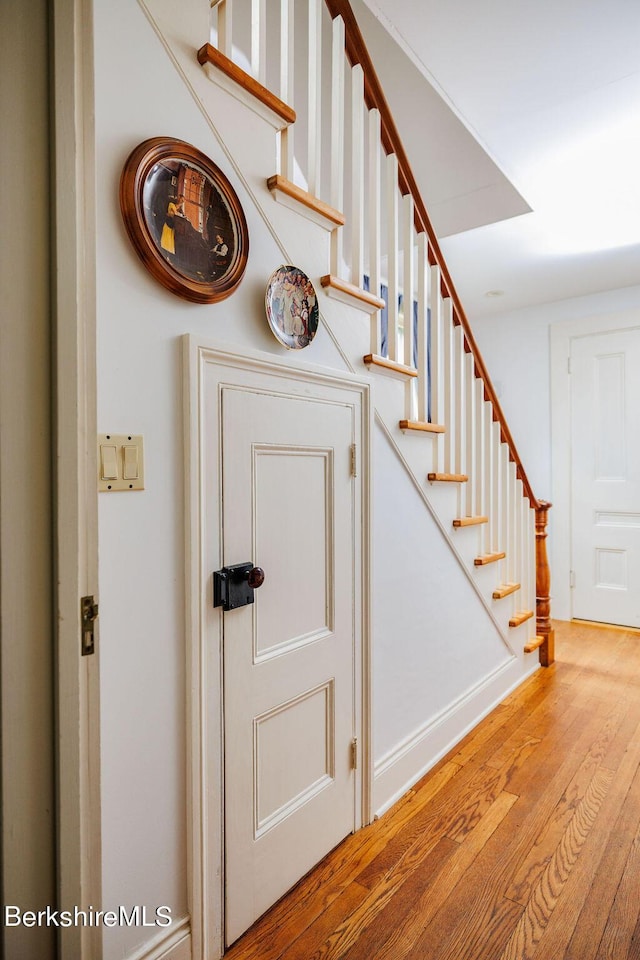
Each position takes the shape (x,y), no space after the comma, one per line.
(184,220)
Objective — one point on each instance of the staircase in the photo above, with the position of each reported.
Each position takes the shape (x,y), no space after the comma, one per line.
(340,164)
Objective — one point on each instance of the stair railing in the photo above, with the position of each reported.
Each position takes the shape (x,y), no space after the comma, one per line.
(342,163)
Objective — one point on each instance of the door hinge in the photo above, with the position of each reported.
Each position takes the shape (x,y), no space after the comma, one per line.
(572,578)
(354,462)
(569,365)
(354,753)
(88,617)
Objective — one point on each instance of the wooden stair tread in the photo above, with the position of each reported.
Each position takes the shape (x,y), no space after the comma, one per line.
(521,617)
(389,366)
(469,521)
(306,202)
(209,54)
(533,644)
(422,425)
(447,477)
(488,558)
(505,590)
(351,294)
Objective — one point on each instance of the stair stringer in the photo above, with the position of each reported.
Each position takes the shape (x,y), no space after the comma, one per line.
(462,558)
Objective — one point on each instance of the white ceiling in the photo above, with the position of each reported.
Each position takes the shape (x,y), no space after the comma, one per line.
(508,106)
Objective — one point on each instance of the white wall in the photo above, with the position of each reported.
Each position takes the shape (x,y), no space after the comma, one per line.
(439,660)
(516,350)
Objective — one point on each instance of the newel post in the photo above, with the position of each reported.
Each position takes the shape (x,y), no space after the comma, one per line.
(544,627)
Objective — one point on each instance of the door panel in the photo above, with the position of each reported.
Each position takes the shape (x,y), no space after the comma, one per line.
(605,455)
(283,625)
(289,656)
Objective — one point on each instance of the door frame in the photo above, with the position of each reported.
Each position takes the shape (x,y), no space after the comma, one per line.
(73,189)
(562,335)
(204,629)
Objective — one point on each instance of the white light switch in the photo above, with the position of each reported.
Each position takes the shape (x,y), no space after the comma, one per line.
(130,462)
(109,461)
(120,462)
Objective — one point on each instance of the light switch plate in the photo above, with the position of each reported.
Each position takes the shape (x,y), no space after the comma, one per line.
(120,462)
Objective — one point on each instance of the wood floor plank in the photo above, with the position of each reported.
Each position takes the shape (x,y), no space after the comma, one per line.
(317,891)
(546,844)
(549,887)
(396,939)
(452,813)
(346,933)
(623,917)
(496,720)
(576,929)
(480,893)
(522,844)
(401,907)
(605,880)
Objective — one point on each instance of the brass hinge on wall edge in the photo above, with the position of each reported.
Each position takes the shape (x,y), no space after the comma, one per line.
(88,617)
(354,753)
(354,462)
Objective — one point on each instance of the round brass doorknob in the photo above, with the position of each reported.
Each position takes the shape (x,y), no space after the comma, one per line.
(255,577)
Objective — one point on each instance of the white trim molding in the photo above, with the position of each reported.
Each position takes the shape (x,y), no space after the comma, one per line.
(204,633)
(76,504)
(402,766)
(561,336)
(171,944)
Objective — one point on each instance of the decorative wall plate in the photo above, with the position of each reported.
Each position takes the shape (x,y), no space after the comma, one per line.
(184,220)
(292,307)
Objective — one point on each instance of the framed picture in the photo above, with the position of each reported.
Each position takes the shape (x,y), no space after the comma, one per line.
(292,307)
(184,220)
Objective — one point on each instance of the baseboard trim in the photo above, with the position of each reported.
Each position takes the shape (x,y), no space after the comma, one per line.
(399,769)
(172,944)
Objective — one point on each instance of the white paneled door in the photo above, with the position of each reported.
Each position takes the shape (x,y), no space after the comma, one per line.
(289,694)
(605,462)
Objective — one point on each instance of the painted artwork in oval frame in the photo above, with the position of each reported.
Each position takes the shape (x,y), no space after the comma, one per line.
(184,220)
(292,307)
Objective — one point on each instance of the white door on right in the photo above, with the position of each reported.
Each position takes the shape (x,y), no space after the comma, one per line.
(605,482)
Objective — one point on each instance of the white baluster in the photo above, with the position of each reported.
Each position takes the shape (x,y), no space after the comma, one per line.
(519,532)
(337,139)
(259,41)
(314,107)
(532,605)
(375,187)
(408,243)
(286,84)
(478,466)
(526,552)
(488,475)
(408,233)
(224,11)
(504,510)
(495,514)
(513,524)
(437,365)
(448,354)
(357,175)
(423,327)
(471,434)
(458,398)
(392,255)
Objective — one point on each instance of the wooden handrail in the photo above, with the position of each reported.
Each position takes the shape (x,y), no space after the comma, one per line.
(357,52)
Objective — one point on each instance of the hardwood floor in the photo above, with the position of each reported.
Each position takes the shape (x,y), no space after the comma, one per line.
(523,842)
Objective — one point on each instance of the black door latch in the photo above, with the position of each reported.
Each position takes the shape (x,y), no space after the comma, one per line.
(233,586)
